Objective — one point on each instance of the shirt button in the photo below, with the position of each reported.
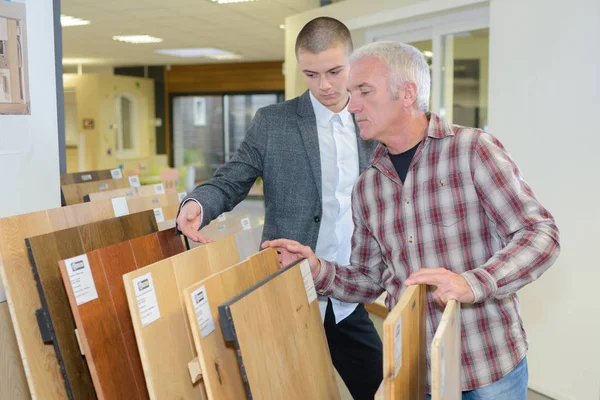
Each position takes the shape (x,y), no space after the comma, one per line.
(410,239)
(317,219)
(407,201)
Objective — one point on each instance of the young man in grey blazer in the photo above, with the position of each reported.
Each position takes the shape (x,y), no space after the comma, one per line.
(309,153)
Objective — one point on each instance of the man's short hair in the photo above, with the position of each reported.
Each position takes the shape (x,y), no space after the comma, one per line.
(323,33)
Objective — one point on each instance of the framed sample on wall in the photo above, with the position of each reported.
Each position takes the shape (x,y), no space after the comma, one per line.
(14,81)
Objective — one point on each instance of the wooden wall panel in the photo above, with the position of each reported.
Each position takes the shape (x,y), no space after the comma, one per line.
(104,324)
(39,361)
(219,364)
(233,77)
(278,323)
(404,347)
(45,252)
(446,376)
(166,372)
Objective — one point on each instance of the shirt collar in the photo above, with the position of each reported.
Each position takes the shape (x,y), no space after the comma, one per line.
(324,114)
(438,128)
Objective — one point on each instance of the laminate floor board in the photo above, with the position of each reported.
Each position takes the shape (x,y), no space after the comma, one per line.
(39,361)
(75,193)
(13,383)
(45,252)
(277,329)
(218,359)
(217,230)
(446,376)
(404,347)
(142,191)
(104,323)
(86,176)
(166,372)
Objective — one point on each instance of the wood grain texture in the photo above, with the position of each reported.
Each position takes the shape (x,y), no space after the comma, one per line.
(74,193)
(104,324)
(137,204)
(235,77)
(146,190)
(13,384)
(39,360)
(86,176)
(446,377)
(218,359)
(410,315)
(45,252)
(281,340)
(166,372)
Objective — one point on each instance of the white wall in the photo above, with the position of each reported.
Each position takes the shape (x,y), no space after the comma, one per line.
(544,100)
(30,175)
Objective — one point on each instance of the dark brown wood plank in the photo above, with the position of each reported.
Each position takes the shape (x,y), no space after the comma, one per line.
(45,251)
(115,261)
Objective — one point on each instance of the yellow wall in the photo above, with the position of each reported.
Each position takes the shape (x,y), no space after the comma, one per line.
(96,95)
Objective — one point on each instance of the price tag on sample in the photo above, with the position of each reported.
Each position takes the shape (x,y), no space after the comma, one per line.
(202,309)
(146,299)
(82,281)
(116,173)
(134,181)
(159,188)
(120,206)
(158,214)
(246,224)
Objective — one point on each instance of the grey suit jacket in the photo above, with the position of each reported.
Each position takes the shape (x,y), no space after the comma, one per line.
(282,146)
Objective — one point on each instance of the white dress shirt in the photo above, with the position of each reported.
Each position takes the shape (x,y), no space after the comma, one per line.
(339,171)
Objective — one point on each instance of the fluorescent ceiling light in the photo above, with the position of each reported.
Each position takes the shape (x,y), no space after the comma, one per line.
(66,20)
(281,26)
(231,1)
(428,54)
(223,57)
(76,61)
(196,52)
(138,39)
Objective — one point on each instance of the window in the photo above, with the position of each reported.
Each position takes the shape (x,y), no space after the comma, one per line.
(126,126)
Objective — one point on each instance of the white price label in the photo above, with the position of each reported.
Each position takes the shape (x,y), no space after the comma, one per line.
(158,213)
(86,177)
(246,224)
(159,188)
(103,186)
(398,346)
(82,281)
(116,173)
(134,181)
(120,206)
(181,196)
(204,317)
(221,217)
(309,284)
(146,299)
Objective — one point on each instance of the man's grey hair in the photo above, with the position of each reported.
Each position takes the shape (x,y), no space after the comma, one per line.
(404,63)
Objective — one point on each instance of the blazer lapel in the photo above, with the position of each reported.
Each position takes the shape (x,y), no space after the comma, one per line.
(307,123)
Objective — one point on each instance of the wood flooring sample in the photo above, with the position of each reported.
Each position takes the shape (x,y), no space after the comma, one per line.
(218,359)
(161,318)
(277,329)
(96,293)
(404,347)
(446,366)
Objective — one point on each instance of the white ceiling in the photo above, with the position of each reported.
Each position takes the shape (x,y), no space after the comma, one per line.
(249,29)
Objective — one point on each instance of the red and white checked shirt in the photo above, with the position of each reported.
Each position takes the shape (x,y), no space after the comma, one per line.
(464,206)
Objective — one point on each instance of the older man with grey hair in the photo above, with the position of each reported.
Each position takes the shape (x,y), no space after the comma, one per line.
(442,205)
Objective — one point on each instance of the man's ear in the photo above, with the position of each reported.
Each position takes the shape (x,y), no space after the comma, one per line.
(408,94)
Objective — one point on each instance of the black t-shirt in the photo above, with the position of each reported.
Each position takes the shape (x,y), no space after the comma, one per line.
(402,161)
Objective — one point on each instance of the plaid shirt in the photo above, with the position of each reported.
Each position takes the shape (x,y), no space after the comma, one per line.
(464,206)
